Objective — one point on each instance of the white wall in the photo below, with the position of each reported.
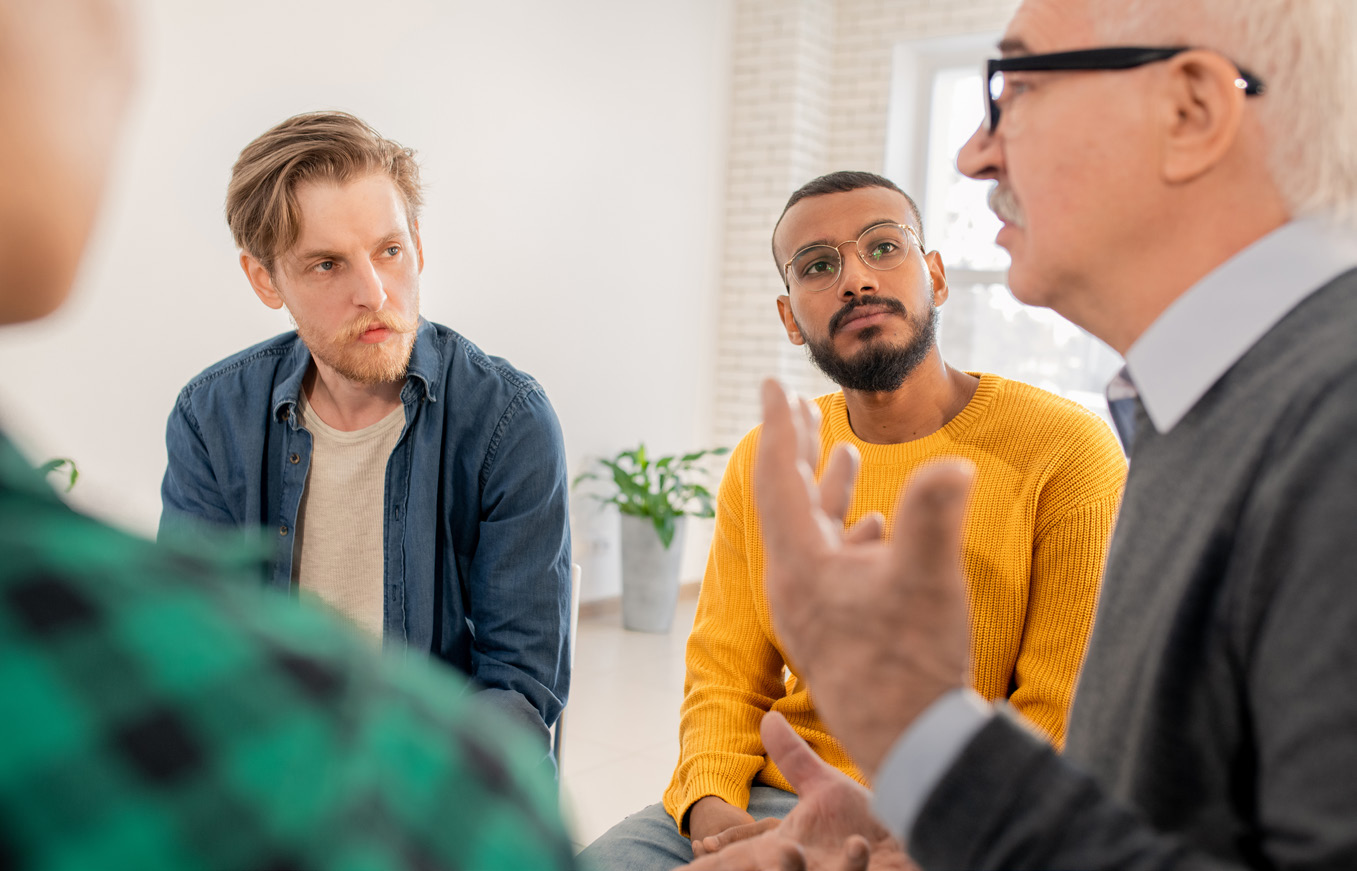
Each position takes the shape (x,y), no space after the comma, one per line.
(591,132)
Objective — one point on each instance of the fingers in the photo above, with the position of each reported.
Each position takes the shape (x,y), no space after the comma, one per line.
(782,488)
(870,527)
(836,484)
(760,854)
(792,755)
(808,441)
(857,853)
(929,515)
(715,843)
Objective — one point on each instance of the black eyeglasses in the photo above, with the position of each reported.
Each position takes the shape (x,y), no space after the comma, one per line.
(1116,58)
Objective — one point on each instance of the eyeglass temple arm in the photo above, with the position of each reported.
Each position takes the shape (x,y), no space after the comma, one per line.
(1118,58)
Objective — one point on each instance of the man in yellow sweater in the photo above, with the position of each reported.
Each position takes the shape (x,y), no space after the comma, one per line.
(862,296)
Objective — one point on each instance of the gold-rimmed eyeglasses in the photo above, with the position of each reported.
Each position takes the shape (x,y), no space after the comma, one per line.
(880,247)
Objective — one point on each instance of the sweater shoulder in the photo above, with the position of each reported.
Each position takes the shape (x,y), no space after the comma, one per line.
(1051,428)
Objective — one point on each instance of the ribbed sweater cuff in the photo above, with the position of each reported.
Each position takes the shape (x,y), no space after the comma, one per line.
(677,802)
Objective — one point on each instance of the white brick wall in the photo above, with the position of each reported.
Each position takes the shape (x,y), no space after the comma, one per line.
(810,85)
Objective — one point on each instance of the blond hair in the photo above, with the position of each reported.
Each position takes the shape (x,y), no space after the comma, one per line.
(1303,51)
(261,200)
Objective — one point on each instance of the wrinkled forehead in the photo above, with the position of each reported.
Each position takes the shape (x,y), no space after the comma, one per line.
(1040,26)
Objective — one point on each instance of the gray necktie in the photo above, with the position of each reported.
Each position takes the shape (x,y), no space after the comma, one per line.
(1123,401)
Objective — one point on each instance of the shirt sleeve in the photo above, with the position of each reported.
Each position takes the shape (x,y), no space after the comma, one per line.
(734,670)
(518,589)
(1069,553)
(189,494)
(923,753)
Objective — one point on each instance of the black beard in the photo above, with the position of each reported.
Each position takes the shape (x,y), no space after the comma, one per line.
(877,368)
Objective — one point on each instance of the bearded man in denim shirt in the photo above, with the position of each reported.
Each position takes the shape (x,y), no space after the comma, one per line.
(408,480)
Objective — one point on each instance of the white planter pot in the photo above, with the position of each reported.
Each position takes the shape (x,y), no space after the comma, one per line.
(650,574)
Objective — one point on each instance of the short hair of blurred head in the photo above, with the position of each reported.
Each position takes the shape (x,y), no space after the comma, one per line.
(261,201)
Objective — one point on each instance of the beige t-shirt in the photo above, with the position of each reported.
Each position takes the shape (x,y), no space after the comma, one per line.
(338,552)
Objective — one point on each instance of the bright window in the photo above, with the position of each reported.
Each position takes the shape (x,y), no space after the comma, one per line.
(982,326)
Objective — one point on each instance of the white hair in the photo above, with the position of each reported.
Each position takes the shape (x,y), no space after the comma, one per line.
(1305,51)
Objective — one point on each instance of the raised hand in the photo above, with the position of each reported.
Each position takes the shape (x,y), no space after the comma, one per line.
(877,627)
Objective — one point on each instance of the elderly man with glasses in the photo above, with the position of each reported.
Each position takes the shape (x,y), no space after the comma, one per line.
(862,296)
(1190,199)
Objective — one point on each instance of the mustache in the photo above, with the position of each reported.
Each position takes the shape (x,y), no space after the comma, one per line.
(1004,204)
(889,303)
(364,322)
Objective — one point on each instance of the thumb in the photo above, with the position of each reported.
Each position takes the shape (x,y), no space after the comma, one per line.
(792,755)
(929,514)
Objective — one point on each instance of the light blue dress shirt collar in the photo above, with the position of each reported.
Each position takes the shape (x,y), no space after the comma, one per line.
(1210,327)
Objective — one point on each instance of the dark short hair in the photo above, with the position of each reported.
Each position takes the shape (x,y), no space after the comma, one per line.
(842,182)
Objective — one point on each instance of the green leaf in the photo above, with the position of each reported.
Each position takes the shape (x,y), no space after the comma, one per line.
(56,464)
(661,488)
(665,527)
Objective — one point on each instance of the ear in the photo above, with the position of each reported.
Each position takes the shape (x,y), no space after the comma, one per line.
(261,281)
(939,276)
(1205,109)
(784,311)
(419,244)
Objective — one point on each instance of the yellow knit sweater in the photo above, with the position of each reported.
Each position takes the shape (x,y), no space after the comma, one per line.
(1048,483)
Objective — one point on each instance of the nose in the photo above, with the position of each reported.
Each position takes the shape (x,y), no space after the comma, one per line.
(368,290)
(855,277)
(980,157)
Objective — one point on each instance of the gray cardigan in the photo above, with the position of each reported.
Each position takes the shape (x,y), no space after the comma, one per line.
(1215,723)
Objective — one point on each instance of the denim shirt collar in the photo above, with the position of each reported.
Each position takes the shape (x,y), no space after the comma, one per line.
(423,376)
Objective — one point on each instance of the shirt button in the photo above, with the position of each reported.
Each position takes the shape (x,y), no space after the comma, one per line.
(282,530)
(294,459)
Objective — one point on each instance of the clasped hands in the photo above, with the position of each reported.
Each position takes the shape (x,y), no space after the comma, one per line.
(877,627)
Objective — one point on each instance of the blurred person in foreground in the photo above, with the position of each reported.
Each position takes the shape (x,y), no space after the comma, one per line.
(1180,178)
(862,294)
(159,712)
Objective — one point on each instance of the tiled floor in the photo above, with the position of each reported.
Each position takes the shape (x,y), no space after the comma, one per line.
(621,733)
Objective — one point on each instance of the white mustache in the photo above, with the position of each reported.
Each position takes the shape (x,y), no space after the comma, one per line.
(1004,204)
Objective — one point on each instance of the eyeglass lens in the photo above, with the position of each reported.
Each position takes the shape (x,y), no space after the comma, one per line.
(882,247)
(994,89)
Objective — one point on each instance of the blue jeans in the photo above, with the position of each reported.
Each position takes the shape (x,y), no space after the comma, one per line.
(649,840)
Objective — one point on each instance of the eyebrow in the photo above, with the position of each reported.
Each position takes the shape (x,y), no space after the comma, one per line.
(1009,46)
(327,254)
(865,227)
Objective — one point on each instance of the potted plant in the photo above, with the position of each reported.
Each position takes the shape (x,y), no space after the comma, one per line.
(655,496)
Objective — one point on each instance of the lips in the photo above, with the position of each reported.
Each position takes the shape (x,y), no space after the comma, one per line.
(858,316)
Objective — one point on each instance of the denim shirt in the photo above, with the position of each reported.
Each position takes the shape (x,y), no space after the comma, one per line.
(477,536)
